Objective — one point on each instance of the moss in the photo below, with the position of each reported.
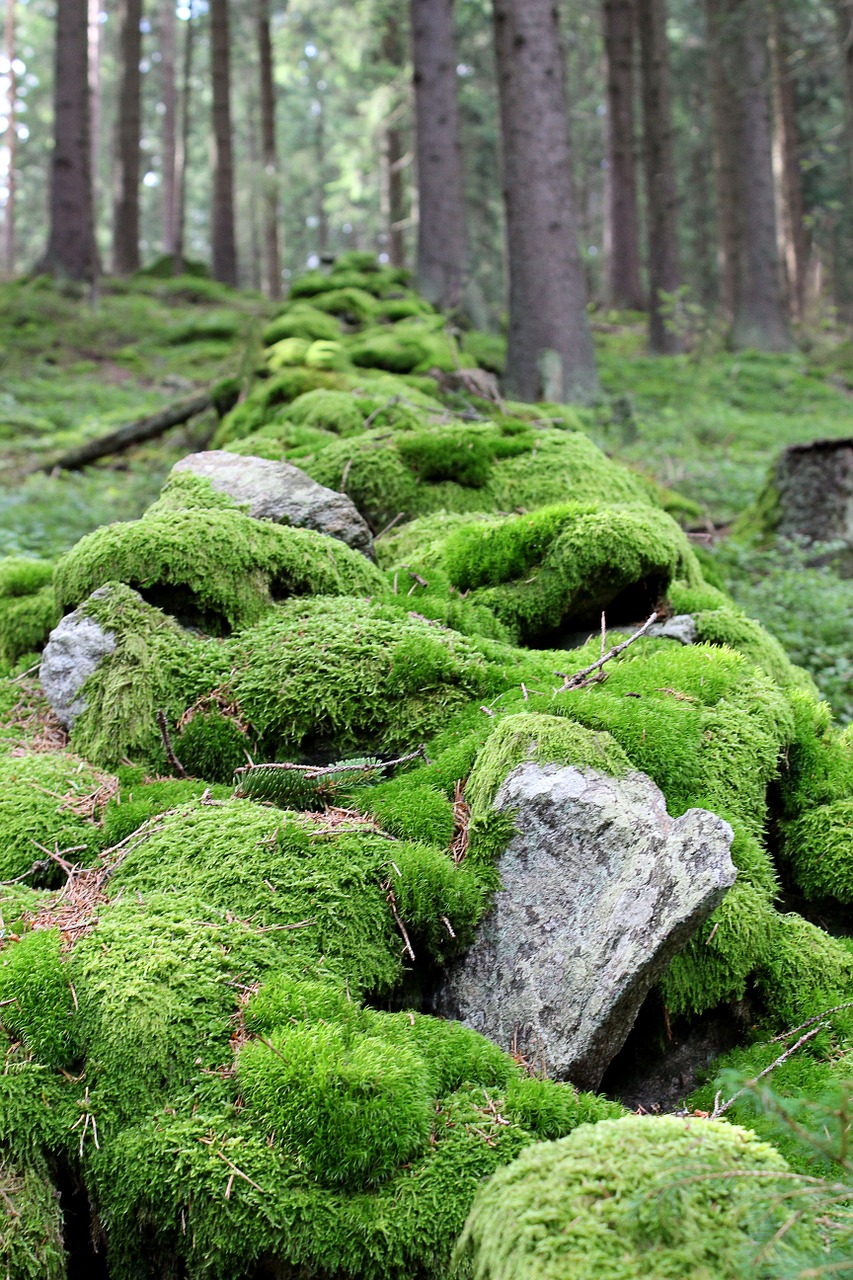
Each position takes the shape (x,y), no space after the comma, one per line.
(286,353)
(141,799)
(212,746)
(607,1200)
(544,739)
(28,609)
(349,301)
(301,321)
(819,848)
(31,1224)
(224,327)
(213,567)
(259,406)
(729,625)
(806,971)
(38,791)
(819,765)
(336,411)
(36,1006)
(407,347)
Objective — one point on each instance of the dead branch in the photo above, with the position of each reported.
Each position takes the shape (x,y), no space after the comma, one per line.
(132,433)
(312,771)
(581,678)
(167,743)
(721,1108)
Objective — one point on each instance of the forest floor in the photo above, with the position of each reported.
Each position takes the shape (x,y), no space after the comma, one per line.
(708,425)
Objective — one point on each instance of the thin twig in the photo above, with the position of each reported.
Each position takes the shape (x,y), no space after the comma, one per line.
(580,678)
(720,1110)
(239,1172)
(818,1017)
(389,527)
(167,743)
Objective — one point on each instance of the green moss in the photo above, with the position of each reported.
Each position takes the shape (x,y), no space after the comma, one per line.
(28,609)
(349,301)
(37,795)
(301,321)
(335,411)
(407,347)
(545,739)
(618,1200)
(36,1006)
(806,971)
(31,1224)
(215,568)
(819,848)
(729,625)
(259,406)
(286,353)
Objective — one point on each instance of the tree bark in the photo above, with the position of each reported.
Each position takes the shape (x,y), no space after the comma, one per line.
(661,195)
(794,245)
(11,92)
(393,151)
(760,319)
(725,110)
(549,345)
(843,265)
(71,249)
(182,145)
(442,240)
(223,238)
(271,272)
(128,127)
(170,116)
(623,265)
(95,44)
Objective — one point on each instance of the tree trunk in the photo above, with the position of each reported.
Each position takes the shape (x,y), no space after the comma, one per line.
(182,145)
(128,127)
(794,247)
(271,275)
(623,266)
(549,349)
(393,151)
(95,44)
(9,210)
(442,243)
(661,195)
(760,319)
(844,233)
(170,113)
(320,170)
(71,249)
(223,239)
(726,127)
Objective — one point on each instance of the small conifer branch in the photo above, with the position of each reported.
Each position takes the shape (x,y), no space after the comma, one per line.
(721,1108)
(581,678)
(312,771)
(167,743)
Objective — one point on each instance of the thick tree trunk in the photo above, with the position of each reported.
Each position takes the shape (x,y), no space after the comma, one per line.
(760,319)
(794,246)
(182,145)
(271,273)
(95,42)
(71,249)
(623,265)
(223,238)
(170,116)
(128,127)
(725,110)
(442,243)
(550,349)
(11,91)
(844,233)
(661,195)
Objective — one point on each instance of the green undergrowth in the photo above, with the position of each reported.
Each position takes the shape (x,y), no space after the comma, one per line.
(42,794)
(28,608)
(31,1224)
(639,1196)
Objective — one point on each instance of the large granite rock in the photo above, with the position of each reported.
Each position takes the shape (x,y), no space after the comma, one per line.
(601,887)
(75,648)
(281,492)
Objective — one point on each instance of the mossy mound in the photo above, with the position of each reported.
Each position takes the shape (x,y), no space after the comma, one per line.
(28,608)
(301,321)
(637,1197)
(209,565)
(30,1224)
(49,802)
(819,848)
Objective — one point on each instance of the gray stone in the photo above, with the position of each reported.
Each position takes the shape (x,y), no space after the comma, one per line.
(75,648)
(682,628)
(282,493)
(601,888)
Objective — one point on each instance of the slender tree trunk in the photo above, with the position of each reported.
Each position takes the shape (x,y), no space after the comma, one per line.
(95,44)
(760,319)
(9,210)
(725,115)
(843,255)
(269,157)
(393,152)
(71,249)
(549,349)
(223,238)
(320,168)
(661,195)
(252,213)
(128,128)
(182,145)
(794,246)
(623,266)
(170,113)
(442,242)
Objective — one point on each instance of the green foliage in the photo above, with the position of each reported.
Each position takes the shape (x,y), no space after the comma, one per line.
(806,971)
(31,1224)
(28,609)
(635,1197)
(37,795)
(301,321)
(819,848)
(212,566)
(337,411)
(35,997)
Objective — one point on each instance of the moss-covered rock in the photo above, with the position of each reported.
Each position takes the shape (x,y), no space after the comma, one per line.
(637,1197)
(28,608)
(45,798)
(30,1224)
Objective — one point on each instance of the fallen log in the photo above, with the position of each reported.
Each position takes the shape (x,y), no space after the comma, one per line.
(132,433)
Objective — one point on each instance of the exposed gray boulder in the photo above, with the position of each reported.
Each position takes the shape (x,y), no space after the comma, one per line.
(601,887)
(282,493)
(682,628)
(75,648)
